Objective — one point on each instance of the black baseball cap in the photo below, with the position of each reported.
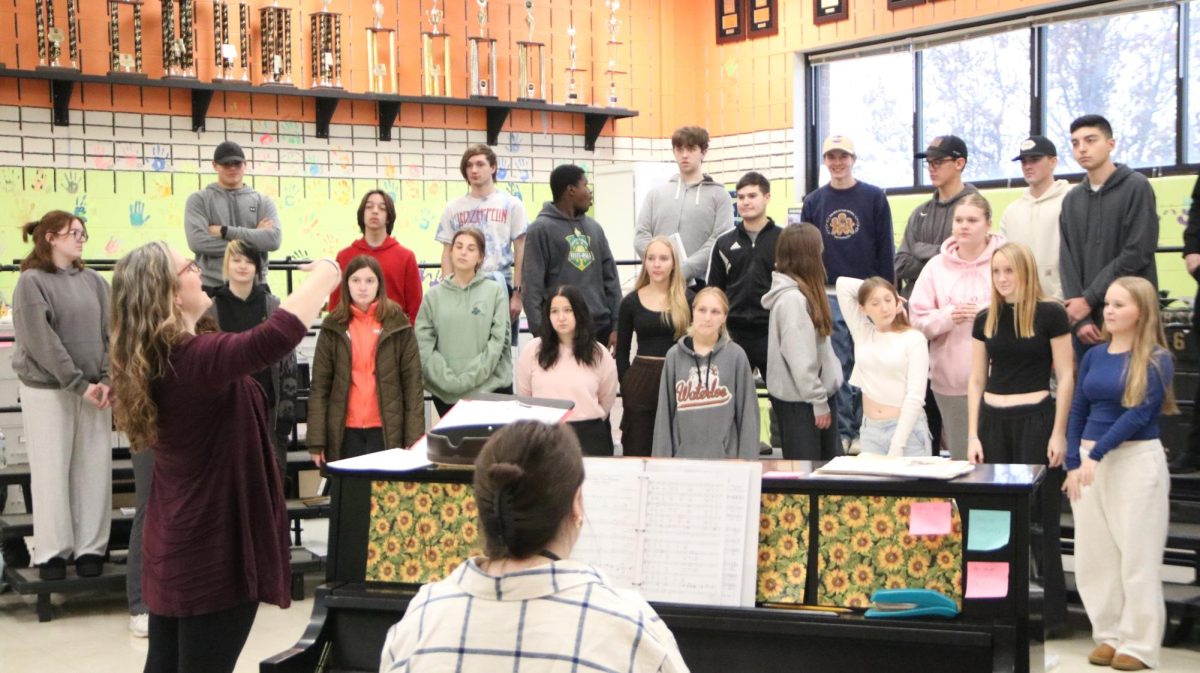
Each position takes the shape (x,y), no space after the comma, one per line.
(945,146)
(227,152)
(1036,146)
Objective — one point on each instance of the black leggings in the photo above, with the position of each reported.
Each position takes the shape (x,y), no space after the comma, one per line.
(1020,435)
(202,644)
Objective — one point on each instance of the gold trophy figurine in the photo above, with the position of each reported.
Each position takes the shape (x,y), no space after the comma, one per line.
(482,87)
(435,76)
(531,53)
(572,50)
(613,24)
(382,73)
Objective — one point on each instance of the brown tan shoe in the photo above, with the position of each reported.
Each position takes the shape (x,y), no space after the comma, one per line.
(1125,662)
(1102,655)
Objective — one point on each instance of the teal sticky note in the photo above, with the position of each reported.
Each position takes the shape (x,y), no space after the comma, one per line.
(988,529)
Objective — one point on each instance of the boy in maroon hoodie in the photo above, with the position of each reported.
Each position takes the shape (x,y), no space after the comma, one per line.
(401,277)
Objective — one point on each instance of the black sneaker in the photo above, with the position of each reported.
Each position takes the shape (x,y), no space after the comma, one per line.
(54,569)
(89,565)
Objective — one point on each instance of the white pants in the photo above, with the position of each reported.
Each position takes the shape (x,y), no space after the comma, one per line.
(70,464)
(1120,534)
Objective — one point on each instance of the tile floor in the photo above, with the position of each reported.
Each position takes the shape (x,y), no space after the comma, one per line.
(90,633)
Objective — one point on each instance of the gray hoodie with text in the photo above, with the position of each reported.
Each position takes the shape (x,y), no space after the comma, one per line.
(707,404)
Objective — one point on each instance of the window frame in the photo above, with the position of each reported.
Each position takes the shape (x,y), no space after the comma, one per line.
(1036,24)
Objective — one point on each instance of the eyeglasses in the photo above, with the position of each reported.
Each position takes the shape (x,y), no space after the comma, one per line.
(191,267)
(937,163)
(78,234)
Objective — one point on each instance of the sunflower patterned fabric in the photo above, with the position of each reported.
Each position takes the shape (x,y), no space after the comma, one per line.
(864,545)
(782,548)
(420,532)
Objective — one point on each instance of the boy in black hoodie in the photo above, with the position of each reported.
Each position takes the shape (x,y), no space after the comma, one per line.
(1108,226)
(566,247)
(741,264)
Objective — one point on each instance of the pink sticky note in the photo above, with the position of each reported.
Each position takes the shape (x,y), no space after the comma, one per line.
(986,579)
(929,518)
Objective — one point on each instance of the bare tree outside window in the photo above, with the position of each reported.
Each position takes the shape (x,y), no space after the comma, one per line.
(1120,66)
(978,90)
(1192,123)
(870,100)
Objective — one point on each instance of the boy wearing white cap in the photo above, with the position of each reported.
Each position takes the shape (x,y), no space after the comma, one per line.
(856,224)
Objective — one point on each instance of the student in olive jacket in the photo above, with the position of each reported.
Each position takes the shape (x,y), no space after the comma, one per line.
(366,341)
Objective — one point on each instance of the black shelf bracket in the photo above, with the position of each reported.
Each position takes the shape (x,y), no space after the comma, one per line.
(496,116)
(62,86)
(200,101)
(60,96)
(593,124)
(387,111)
(325,109)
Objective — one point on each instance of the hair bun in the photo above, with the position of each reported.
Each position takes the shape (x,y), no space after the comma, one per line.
(504,474)
(27,230)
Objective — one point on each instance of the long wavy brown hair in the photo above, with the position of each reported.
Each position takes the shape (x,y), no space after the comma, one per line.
(55,222)
(146,325)
(385,308)
(798,256)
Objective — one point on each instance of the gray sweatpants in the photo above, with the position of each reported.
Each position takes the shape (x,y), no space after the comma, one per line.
(70,466)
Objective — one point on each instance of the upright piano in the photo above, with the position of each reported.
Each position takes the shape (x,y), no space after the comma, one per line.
(823,541)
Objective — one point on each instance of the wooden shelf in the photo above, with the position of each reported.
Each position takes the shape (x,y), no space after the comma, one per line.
(62,85)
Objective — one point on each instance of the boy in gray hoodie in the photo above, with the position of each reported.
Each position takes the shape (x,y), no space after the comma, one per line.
(690,204)
(566,247)
(1108,225)
(228,210)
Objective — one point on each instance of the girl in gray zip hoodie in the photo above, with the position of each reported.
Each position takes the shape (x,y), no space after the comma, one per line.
(707,404)
(803,373)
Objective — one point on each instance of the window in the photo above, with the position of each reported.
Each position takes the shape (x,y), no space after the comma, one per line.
(991,85)
(1120,66)
(1192,120)
(978,90)
(870,100)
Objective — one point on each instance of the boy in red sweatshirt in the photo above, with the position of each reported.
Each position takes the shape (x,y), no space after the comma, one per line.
(401,277)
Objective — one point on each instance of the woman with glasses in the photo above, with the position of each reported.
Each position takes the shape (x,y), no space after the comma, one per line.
(60,313)
(216,540)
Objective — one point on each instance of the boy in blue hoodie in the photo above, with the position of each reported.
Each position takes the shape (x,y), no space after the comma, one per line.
(566,247)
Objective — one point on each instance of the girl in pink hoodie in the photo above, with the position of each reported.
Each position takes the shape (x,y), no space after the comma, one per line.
(952,288)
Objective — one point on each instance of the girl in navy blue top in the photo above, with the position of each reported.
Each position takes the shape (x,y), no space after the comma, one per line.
(1118,479)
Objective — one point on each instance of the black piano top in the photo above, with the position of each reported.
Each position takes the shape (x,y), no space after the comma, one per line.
(984,479)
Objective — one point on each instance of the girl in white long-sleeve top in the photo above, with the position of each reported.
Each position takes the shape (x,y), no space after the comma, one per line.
(891,366)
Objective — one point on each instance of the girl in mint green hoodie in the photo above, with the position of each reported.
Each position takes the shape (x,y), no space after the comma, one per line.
(463,329)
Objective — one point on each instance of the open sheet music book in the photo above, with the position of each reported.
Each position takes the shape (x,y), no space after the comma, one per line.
(675,530)
(895,466)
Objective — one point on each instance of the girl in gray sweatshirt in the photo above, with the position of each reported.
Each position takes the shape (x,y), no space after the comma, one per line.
(707,404)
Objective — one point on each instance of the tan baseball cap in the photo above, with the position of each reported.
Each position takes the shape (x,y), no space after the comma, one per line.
(842,143)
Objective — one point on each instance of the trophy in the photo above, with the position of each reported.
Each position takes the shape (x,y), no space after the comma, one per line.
(275,25)
(382,77)
(179,53)
(435,78)
(225,53)
(531,52)
(572,90)
(612,72)
(325,48)
(50,36)
(120,62)
(482,87)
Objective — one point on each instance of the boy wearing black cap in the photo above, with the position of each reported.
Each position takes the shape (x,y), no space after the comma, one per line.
(228,210)
(1033,218)
(929,225)
(1109,228)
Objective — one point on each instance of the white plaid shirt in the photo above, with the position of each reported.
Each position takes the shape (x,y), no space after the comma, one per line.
(562,616)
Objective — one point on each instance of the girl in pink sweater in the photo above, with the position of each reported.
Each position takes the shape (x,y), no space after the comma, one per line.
(952,288)
(566,363)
